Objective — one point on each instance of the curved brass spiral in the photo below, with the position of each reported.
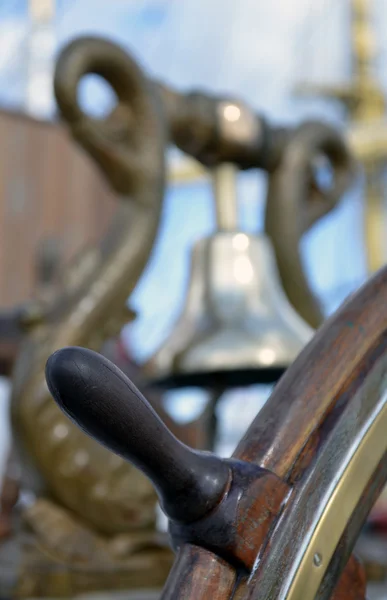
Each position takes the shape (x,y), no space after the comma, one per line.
(295,202)
(128,146)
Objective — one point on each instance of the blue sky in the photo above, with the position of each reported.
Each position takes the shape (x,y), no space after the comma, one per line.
(255,49)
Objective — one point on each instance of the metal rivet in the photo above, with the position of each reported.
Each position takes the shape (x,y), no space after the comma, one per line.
(100,490)
(60,431)
(81,458)
(317,560)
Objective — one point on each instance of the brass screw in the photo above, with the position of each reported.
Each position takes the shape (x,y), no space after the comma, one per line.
(317,560)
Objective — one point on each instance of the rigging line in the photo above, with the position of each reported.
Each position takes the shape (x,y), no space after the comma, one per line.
(326,6)
(156,41)
(11,10)
(172,6)
(62,6)
(303,46)
(304,42)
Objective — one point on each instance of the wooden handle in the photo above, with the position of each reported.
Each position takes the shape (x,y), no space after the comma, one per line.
(98,397)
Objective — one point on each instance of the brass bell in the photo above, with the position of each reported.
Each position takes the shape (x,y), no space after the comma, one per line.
(237,327)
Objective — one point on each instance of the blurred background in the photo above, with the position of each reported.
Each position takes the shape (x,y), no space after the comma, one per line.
(53,201)
(258,51)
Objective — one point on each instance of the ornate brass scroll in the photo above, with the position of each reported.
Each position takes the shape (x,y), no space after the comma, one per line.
(82,490)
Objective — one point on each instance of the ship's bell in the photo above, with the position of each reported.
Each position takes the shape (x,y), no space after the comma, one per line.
(237,326)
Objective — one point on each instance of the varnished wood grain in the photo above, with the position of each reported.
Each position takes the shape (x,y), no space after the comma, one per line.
(312,385)
(352,583)
(200,575)
(306,404)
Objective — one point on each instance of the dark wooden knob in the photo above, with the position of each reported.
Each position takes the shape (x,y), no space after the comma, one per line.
(103,402)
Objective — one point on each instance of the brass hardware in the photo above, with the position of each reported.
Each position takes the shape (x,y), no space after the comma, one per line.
(224,187)
(88,486)
(339,503)
(296,201)
(237,326)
